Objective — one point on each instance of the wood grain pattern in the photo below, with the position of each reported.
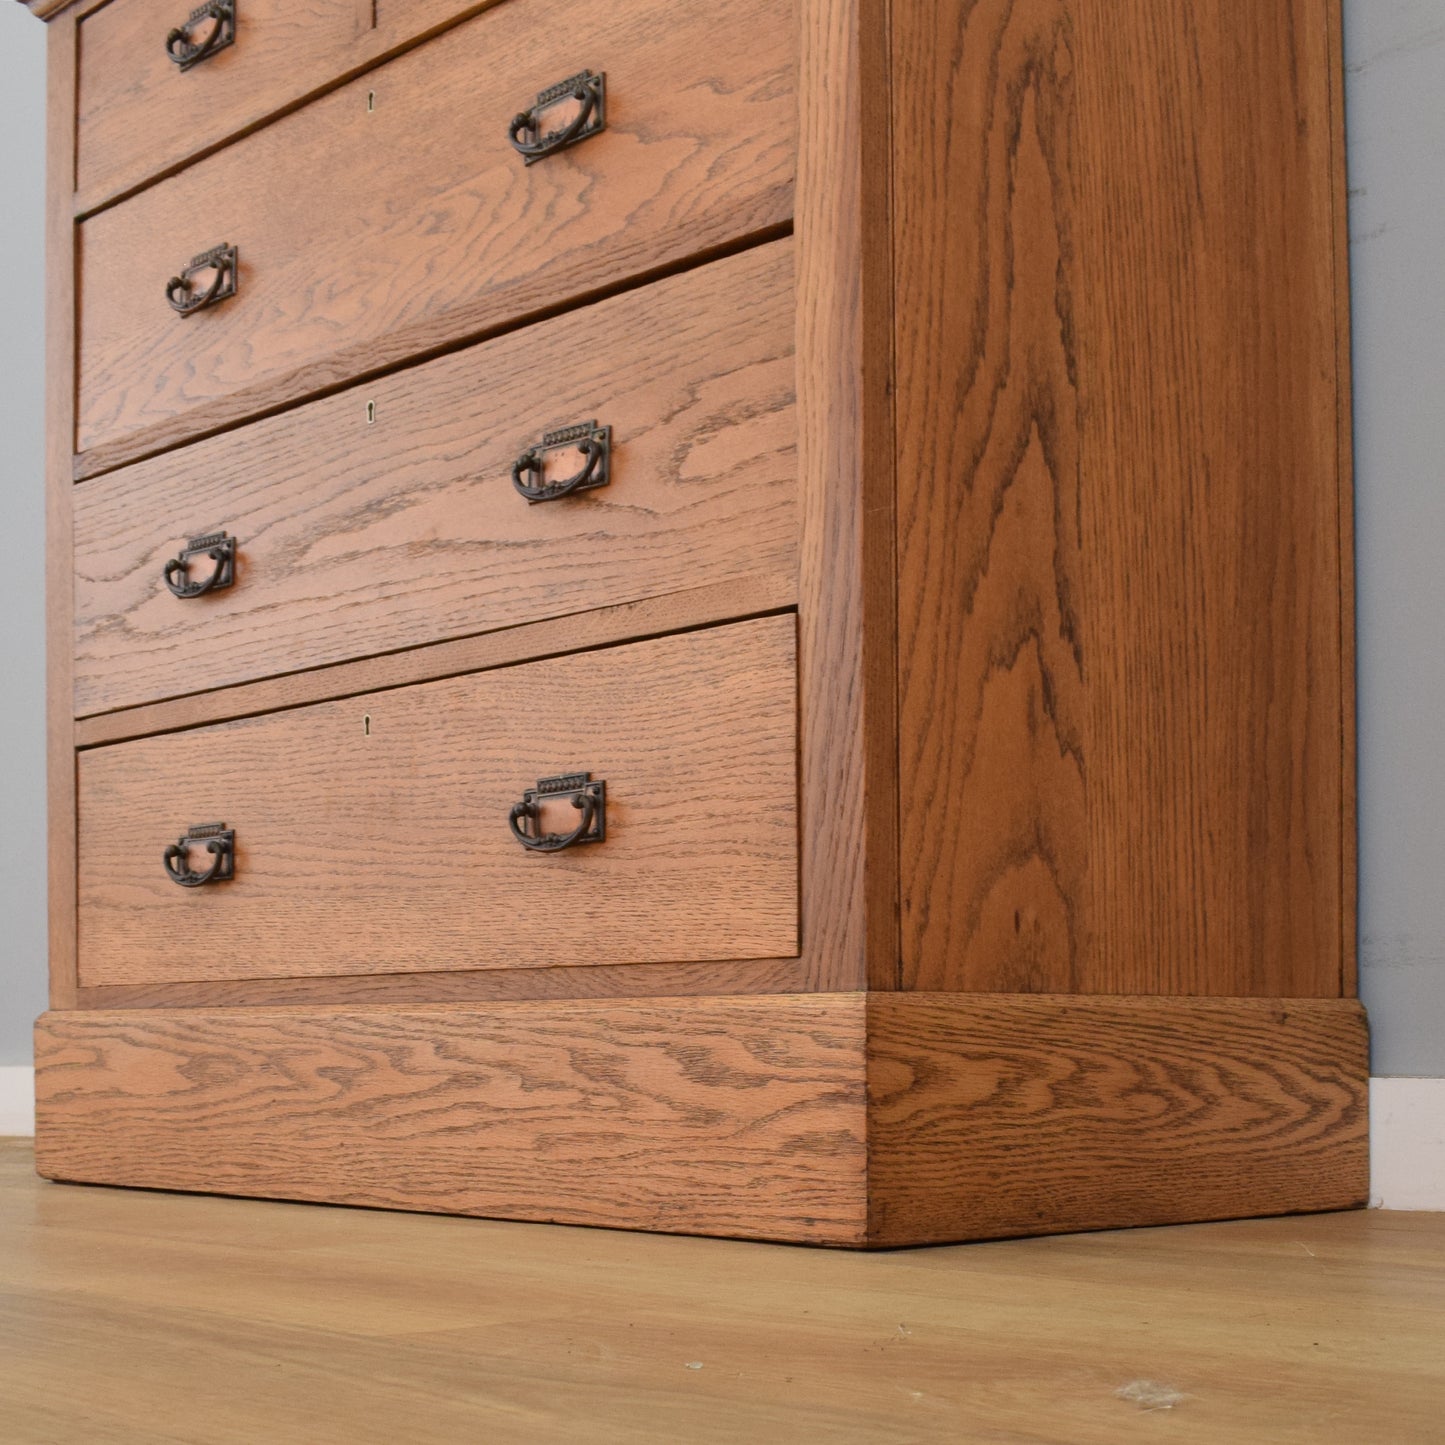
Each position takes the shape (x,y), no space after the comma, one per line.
(993,1116)
(712,978)
(357,538)
(1345,455)
(59,517)
(140,116)
(845,453)
(981,1116)
(372,834)
(1119,483)
(363,242)
(737,600)
(138,1318)
(720,1116)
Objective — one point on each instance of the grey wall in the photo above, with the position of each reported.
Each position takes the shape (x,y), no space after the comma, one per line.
(1395,110)
(1395,53)
(22,666)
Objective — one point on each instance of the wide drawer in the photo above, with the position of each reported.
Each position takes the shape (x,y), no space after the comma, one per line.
(387,516)
(374,835)
(162,80)
(394,216)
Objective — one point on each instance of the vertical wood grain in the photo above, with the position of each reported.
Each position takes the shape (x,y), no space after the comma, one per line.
(846,621)
(1119,482)
(60,322)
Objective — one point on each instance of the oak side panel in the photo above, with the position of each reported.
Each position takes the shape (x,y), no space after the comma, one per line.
(59,522)
(140,116)
(707,1116)
(1120,496)
(385,516)
(1005,1115)
(364,242)
(741,598)
(845,459)
(372,835)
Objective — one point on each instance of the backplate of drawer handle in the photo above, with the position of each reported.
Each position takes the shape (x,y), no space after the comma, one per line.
(221,550)
(218,840)
(185,51)
(529,134)
(589,798)
(181,293)
(595,444)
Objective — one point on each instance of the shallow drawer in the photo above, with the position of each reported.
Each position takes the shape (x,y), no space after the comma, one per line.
(162,80)
(389,516)
(394,215)
(375,835)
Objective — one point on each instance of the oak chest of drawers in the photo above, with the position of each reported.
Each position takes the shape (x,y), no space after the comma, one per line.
(724,617)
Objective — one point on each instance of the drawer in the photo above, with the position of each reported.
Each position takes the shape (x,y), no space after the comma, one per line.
(393,216)
(140,113)
(387,516)
(374,835)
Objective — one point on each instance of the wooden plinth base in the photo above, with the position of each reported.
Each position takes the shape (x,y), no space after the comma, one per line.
(843,1119)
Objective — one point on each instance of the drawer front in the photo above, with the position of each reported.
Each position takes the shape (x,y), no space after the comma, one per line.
(140,113)
(394,215)
(372,835)
(387,516)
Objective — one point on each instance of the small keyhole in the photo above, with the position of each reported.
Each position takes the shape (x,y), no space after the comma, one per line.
(366,725)
(370,412)
(370,102)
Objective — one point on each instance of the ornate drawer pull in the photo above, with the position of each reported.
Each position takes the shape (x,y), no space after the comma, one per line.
(529,133)
(595,444)
(185,300)
(220,548)
(187,52)
(589,798)
(220,843)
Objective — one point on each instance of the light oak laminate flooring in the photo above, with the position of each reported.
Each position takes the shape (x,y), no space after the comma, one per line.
(141,1317)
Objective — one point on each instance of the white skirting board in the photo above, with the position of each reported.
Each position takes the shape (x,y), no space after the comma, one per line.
(17,1100)
(1407,1143)
(1407,1135)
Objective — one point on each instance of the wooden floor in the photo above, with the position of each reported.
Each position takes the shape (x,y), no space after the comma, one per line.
(135,1317)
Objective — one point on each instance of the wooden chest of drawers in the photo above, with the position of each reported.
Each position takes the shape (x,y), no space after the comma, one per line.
(723,617)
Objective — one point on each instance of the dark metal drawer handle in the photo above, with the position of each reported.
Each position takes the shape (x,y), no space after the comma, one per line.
(595,444)
(181,290)
(529,133)
(589,798)
(220,548)
(187,52)
(220,843)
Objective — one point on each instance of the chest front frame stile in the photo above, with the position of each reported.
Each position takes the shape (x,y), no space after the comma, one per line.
(901,1109)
